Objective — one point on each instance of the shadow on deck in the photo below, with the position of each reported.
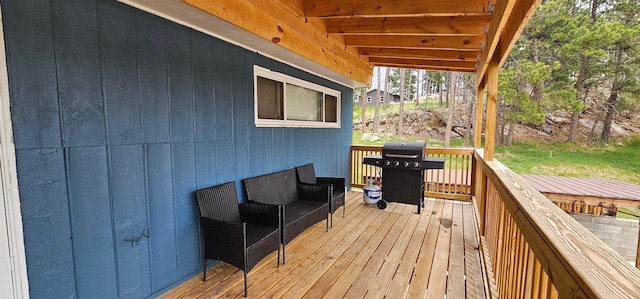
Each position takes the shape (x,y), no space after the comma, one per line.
(370,253)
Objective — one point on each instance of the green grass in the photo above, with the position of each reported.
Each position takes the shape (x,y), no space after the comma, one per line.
(612,161)
(609,161)
(631,211)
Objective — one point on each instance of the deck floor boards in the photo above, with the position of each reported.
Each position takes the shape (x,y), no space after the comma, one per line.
(370,253)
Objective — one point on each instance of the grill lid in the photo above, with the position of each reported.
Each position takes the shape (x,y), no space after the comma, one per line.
(404,150)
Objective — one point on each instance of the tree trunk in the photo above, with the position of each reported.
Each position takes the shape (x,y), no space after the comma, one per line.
(467,133)
(386,87)
(440,94)
(536,90)
(449,85)
(612,101)
(363,105)
(418,89)
(509,138)
(581,94)
(579,86)
(499,124)
(401,112)
(465,91)
(452,103)
(573,126)
(377,99)
(592,133)
(427,92)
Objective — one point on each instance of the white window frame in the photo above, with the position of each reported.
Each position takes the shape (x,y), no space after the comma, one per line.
(284,79)
(13,262)
(369,100)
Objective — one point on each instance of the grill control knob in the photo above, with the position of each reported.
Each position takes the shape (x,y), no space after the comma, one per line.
(396,163)
(387,162)
(405,164)
(416,164)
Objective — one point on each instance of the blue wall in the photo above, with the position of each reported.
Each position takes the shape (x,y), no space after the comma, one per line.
(118,117)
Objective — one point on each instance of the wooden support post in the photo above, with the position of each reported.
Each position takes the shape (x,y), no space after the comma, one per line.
(492,100)
(477,136)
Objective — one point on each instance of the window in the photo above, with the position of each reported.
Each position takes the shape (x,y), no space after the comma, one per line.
(284,101)
(381,99)
(368,100)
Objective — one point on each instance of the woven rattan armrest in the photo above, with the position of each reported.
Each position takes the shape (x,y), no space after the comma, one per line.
(315,192)
(259,213)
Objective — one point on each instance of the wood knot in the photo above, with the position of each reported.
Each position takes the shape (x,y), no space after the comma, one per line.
(280,29)
(275,40)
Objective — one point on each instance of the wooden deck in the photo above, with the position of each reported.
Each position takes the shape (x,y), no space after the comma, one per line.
(372,253)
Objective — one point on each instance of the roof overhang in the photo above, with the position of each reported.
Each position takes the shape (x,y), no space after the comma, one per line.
(342,40)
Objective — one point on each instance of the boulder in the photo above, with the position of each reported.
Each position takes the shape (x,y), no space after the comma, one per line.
(459,115)
(370,137)
(616,130)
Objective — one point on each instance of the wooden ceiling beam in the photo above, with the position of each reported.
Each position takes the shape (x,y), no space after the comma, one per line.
(510,18)
(456,25)
(424,62)
(291,33)
(446,55)
(519,18)
(471,43)
(428,67)
(368,8)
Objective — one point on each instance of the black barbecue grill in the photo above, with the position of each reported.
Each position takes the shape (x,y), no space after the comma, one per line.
(403,165)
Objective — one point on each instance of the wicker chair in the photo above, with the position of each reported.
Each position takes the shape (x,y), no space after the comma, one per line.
(302,205)
(307,175)
(239,234)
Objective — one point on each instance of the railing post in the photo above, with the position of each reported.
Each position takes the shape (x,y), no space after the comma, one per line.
(480,190)
(482,181)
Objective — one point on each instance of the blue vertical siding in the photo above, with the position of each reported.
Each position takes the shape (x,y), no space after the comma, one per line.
(119,74)
(118,117)
(46,222)
(128,197)
(91,226)
(28,28)
(202,64)
(186,209)
(78,63)
(180,84)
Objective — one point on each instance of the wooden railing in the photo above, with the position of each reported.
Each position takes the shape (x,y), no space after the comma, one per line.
(532,248)
(535,250)
(452,182)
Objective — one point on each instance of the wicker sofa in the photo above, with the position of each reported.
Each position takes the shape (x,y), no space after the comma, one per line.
(301,206)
